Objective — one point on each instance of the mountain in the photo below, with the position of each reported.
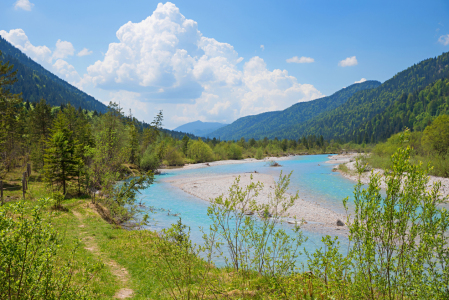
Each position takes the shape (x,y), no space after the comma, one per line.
(35,82)
(199,128)
(414,110)
(261,125)
(344,122)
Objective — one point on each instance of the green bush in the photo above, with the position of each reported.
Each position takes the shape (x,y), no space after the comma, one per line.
(199,151)
(150,160)
(259,153)
(174,157)
(30,267)
(235,152)
(399,243)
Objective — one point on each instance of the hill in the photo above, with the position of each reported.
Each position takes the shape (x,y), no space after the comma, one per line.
(261,125)
(199,128)
(343,122)
(35,82)
(414,110)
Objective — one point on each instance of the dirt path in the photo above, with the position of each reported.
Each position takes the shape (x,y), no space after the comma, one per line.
(120,272)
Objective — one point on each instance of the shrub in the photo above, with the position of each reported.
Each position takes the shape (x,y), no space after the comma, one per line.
(174,157)
(150,160)
(399,243)
(259,153)
(199,151)
(235,152)
(30,267)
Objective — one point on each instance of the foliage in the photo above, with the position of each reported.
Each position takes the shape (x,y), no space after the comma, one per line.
(121,197)
(436,136)
(415,111)
(235,151)
(199,151)
(60,158)
(182,272)
(255,245)
(9,110)
(29,258)
(149,160)
(398,241)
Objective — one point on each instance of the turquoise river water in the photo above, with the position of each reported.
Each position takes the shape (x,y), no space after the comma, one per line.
(312,177)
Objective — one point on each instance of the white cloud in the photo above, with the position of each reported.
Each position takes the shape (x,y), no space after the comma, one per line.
(300,60)
(348,62)
(360,81)
(444,39)
(167,62)
(19,39)
(66,71)
(23,4)
(262,47)
(84,52)
(63,49)
(43,55)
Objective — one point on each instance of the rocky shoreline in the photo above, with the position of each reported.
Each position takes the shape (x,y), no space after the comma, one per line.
(350,161)
(315,217)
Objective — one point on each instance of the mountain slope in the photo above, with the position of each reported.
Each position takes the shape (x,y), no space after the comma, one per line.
(414,111)
(35,82)
(342,122)
(259,126)
(199,128)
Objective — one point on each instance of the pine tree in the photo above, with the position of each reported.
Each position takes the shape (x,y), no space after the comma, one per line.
(185,144)
(40,123)
(133,144)
(61,163)
(9,111)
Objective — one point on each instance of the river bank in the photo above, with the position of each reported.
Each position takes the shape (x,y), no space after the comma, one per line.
(224,162)
(316,217)
(349,160)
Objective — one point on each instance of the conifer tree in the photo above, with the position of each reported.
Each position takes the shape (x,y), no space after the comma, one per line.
(61,162)
(133,143)
(9,110)
(40,123)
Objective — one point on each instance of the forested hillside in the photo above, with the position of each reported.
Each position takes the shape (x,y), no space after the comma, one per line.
(342,122)
(262,125)
(35,82)
(414,111)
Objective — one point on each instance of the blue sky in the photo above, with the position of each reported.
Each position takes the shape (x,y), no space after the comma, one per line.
(205,60)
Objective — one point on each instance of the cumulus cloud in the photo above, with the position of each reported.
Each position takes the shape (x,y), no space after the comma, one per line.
(66,71)
(23,4)
(444,39)
(262,47)
(84,52)
(360,81)
(167,61)
(348,62)
(63,49)
(300,60)
(19,39)
(43,55)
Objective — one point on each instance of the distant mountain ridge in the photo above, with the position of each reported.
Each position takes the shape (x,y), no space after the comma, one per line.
(261,125)
(35,82)
(199,128)
(348,121)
